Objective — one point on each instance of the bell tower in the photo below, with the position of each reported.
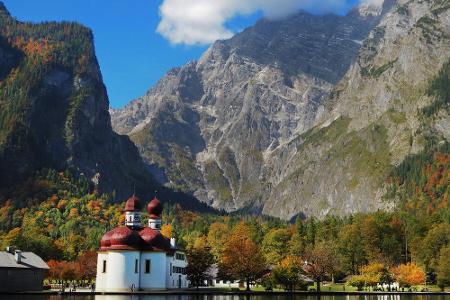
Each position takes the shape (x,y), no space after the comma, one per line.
(154,209)
(133,209)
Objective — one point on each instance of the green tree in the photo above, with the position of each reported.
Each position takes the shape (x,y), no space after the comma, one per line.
(200,260)
(321,262)
(351,249)
(274,245)
(429,247)
(443,268)
(287,272)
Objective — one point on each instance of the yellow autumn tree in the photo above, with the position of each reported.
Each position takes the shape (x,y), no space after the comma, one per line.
(287,272)
(242,258)
(167,230)
(218,234)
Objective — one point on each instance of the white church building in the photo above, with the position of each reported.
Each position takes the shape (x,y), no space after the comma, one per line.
(133,257)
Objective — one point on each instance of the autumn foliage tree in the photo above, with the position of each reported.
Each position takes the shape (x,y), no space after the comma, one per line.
(167,230)
(371,275)
(86,265)
(241,258)
(288,271)
(408,275)
(321,262)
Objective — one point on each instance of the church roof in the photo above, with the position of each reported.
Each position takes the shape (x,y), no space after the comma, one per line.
(155,208)
(155,239)
(137,238)
(125,238)
(133,204)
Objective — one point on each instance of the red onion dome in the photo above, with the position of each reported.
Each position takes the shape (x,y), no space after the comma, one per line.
(122,238)
(133,204)
(155,240)
(155,208)
(105,242)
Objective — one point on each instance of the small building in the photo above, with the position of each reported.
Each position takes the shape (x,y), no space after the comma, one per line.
(133,257)
(214,280)
(21,271)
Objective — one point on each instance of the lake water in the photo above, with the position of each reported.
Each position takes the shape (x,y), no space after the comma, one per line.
(226,297)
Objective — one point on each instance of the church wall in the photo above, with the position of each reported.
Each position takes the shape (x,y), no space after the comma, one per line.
(156,278)
(101,279)
(121,271)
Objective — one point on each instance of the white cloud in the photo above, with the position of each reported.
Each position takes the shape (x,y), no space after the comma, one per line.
(194,22)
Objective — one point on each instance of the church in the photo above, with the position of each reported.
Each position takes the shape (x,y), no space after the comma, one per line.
(137,258)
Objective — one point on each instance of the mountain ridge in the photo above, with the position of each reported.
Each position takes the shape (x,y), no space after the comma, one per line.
(196,126)
(54,113)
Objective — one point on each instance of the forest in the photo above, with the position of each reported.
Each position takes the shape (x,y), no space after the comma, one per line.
(61,218)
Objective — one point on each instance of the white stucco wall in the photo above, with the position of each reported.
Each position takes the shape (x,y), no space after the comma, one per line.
(172,278)
(121,271)
(100,282)
(156,279)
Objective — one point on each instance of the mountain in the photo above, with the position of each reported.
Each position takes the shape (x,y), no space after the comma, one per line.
(210,126)
(391,105)
(54,111)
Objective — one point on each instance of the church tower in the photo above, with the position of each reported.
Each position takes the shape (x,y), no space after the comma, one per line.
(133,209)
(154,209)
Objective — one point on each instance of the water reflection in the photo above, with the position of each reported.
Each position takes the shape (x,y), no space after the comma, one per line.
(226,297)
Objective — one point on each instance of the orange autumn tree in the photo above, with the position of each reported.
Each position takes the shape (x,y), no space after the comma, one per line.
(241,258)
(409,275)
(86,265)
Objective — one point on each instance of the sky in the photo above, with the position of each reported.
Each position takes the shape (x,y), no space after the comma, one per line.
(138,41)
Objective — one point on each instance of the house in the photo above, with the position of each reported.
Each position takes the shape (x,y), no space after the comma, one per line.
(21,271)
(215,281)
(133,257)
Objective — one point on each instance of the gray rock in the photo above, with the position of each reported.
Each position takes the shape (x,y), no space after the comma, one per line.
(212,125)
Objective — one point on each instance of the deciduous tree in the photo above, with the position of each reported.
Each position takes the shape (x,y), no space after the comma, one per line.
(321,262)
(409,275)
(242,259)
(200,260)
(287,272)
(443,269)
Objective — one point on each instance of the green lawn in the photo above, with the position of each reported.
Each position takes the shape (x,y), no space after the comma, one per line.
(340,287)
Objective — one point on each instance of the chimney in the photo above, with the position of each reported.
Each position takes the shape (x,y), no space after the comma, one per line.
(173,243)
(18,256)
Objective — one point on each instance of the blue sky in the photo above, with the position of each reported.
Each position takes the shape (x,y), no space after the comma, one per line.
(131,53)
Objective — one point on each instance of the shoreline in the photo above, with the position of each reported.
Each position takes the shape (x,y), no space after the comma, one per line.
(218,292)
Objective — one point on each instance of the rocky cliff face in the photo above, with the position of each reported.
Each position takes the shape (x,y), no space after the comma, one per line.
(54,110)
(209,127)
(302,116)
(383,110)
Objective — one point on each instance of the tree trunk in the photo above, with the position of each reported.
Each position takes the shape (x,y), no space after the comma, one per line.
(318,286)
(248,284)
